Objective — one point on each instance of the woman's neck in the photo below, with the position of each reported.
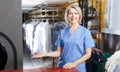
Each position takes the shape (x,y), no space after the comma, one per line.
(74,26)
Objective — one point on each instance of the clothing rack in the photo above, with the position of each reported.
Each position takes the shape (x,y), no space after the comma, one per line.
(53,14)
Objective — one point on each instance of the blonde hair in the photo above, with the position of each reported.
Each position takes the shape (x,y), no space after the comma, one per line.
(77,8)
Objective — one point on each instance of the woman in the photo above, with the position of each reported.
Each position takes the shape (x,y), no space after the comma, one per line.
(74,43)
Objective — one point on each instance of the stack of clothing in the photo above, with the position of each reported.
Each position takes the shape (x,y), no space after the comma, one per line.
(113,62)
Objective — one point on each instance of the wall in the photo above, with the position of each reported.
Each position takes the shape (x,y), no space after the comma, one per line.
(115,14)
(112,25)
(111,30)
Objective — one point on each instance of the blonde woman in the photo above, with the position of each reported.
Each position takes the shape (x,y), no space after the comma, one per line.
(74,43)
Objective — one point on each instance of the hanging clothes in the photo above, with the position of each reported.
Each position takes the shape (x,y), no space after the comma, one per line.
(29,32)
(96,61)
(42,38)
(56,28)
(38,38)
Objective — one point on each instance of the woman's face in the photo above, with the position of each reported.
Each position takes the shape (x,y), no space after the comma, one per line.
(73,16)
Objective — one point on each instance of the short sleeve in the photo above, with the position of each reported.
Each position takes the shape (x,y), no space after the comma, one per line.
(58,41)
(88,40)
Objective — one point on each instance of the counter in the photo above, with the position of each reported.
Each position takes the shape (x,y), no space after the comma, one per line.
(55,69)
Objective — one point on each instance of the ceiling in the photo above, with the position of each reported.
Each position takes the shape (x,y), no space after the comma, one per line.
(28,5)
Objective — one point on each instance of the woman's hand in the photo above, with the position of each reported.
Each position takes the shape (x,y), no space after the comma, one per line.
(39,55)
(69,65)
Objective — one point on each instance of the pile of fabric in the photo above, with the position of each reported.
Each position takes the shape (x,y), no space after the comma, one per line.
(96,62)
(113,62)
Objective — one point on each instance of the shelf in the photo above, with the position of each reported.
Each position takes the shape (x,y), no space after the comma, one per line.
(93,15)
(94,31)
(91,10)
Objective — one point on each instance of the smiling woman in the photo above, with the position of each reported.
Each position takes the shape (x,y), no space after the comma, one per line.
(74,42)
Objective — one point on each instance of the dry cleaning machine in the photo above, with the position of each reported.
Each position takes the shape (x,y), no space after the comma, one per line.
(10,35)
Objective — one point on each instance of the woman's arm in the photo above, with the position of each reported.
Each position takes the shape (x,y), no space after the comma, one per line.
(48,54)
(86,56)
(54,53)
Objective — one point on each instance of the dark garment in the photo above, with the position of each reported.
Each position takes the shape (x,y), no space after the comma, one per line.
(96,62)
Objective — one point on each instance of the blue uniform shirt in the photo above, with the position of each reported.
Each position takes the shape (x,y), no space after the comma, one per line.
(73,45)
